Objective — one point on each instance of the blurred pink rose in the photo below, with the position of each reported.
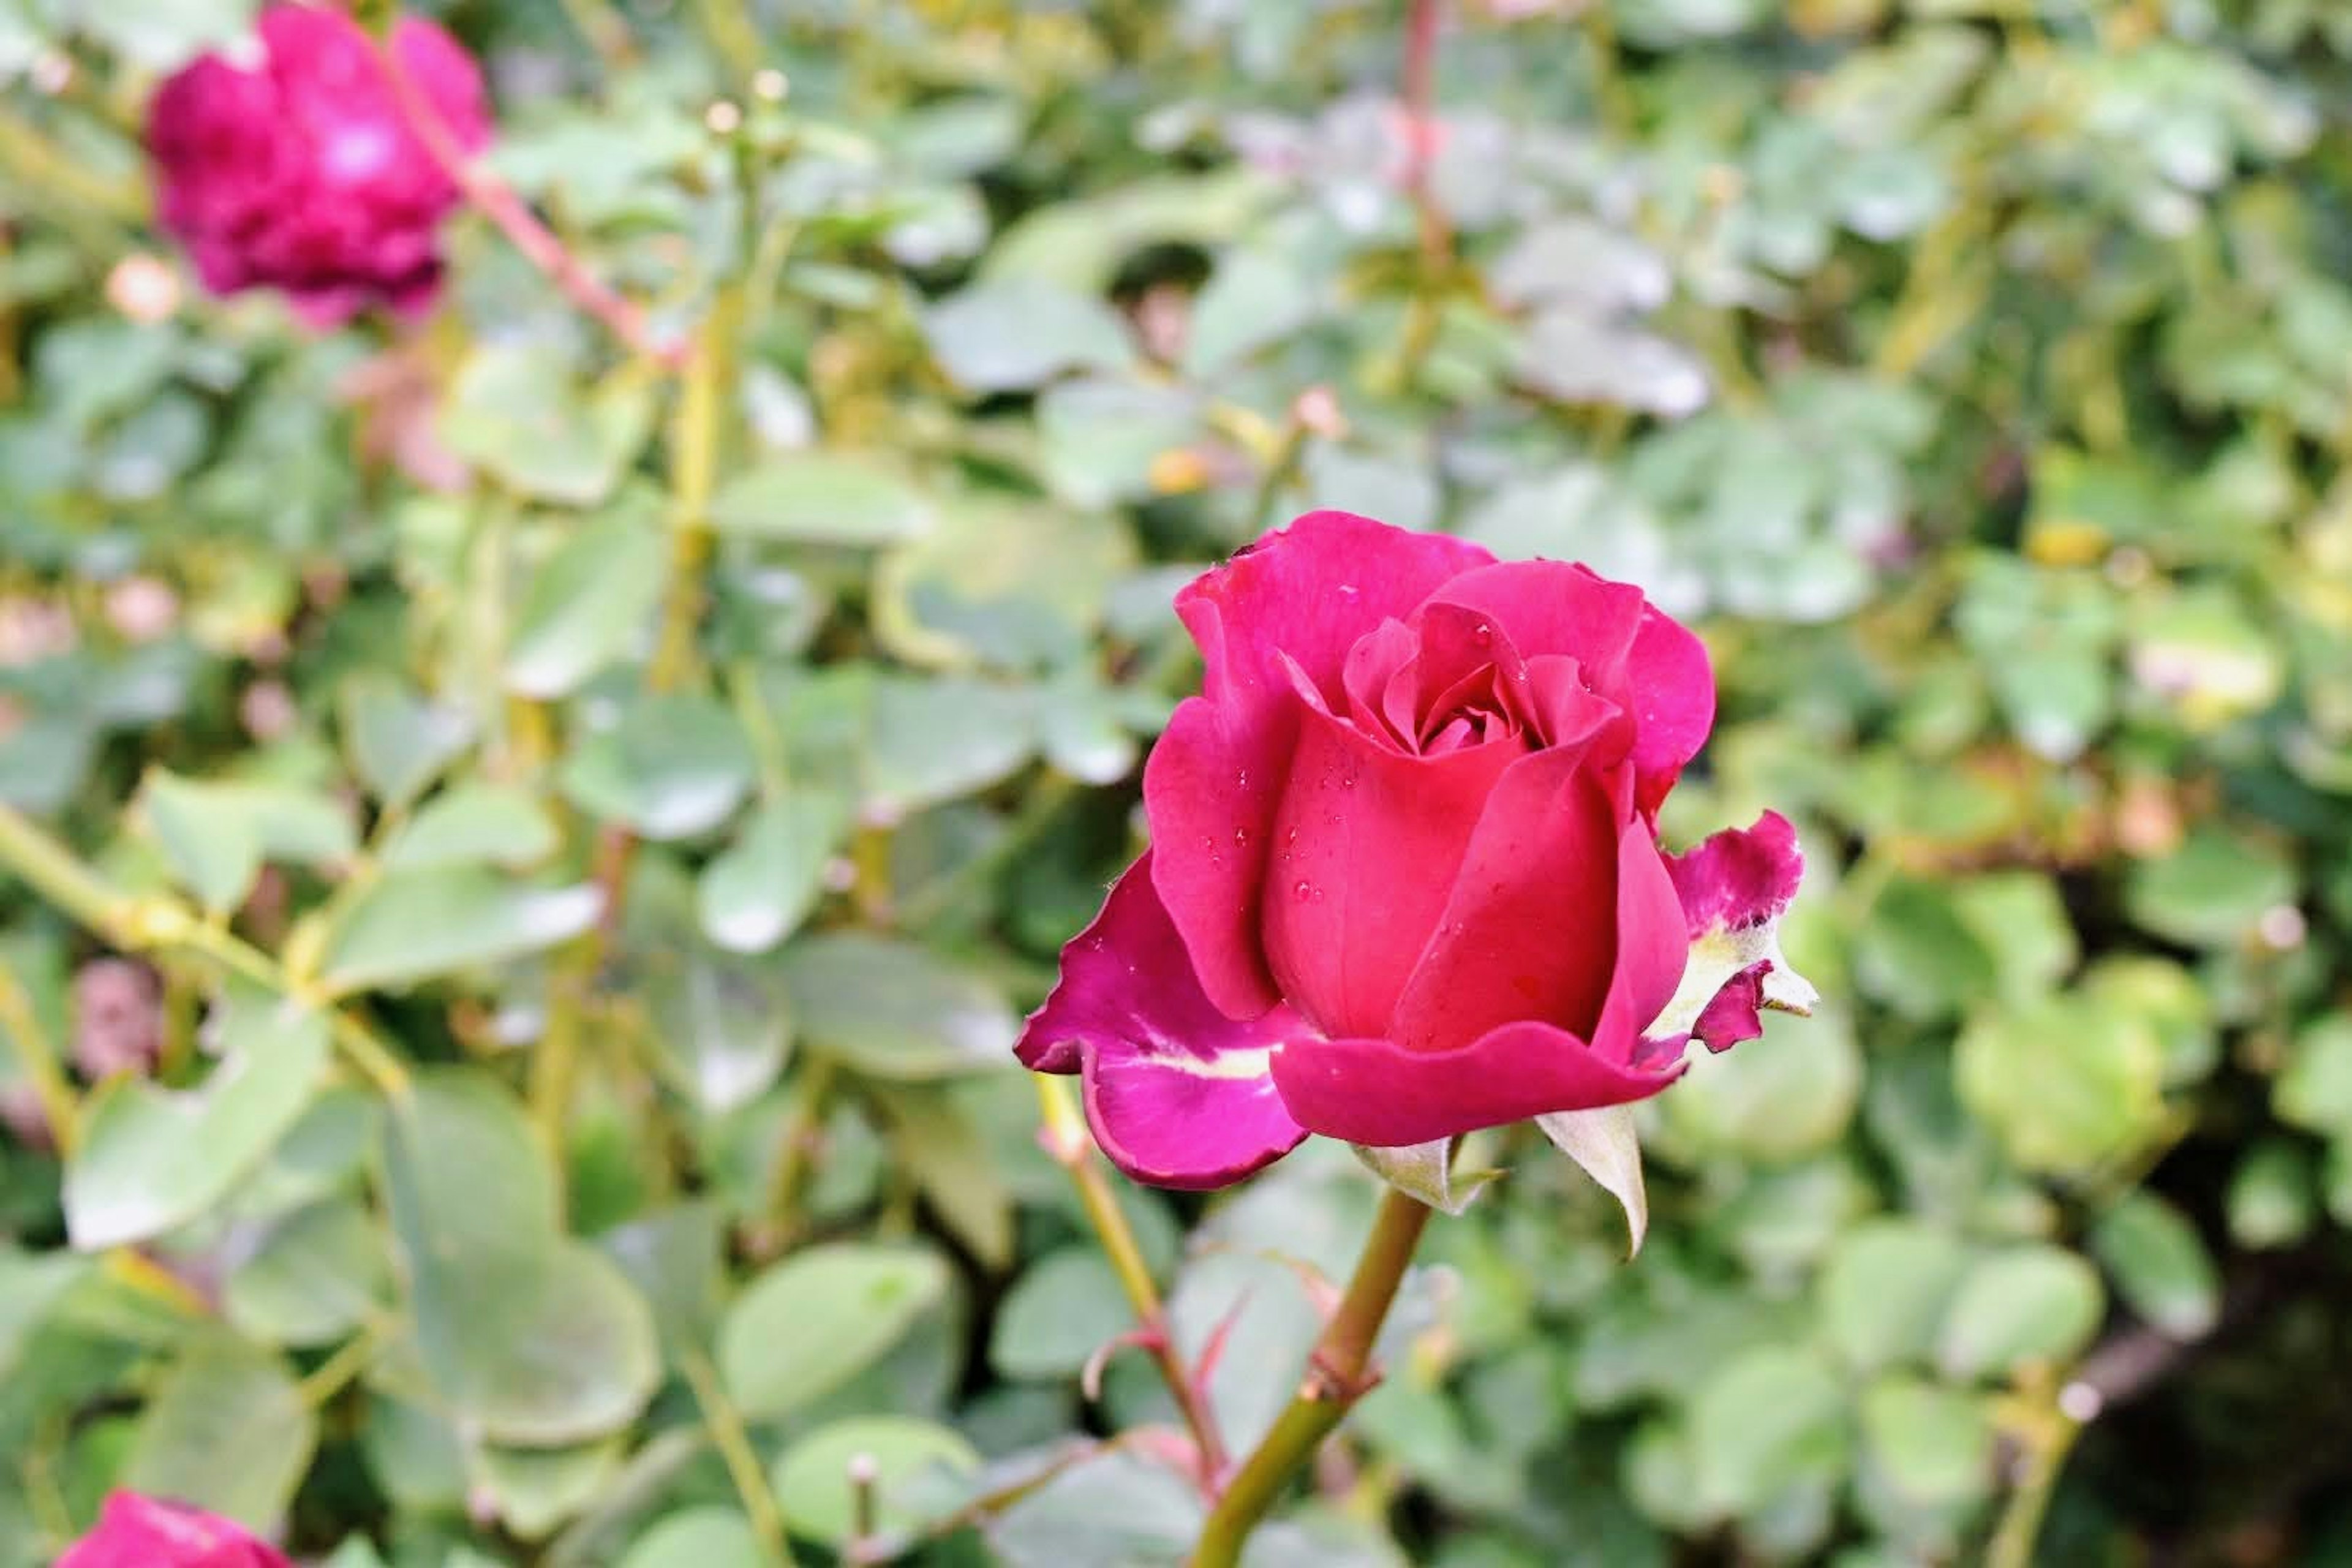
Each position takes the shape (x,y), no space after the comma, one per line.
(135,1532)
(297,170)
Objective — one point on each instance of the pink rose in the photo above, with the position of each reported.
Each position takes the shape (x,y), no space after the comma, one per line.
(136,1532)
(299,172)
(1405,879)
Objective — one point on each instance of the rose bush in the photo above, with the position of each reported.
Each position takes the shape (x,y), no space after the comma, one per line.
(135,1532)
(299,170)
(1405,879)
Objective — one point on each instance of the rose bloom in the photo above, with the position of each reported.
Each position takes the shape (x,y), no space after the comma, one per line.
(299,170)
(135,1532)
(1405,879)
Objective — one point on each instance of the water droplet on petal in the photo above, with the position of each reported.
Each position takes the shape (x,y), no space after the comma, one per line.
(1303,891)
(1241,837)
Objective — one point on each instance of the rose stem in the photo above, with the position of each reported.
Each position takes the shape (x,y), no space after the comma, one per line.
(1068,1139)
(496,201)
(37,1053)
(1338,1374)
(153,924)
(725,1425)
(1419,85)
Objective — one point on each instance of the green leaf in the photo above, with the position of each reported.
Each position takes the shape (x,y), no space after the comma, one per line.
(473,823)
(1793,1094)
(2271,1202)
(1012,333)
(2031,1303)
(821,498)
(2209,892)
(1771,1420)
(1606,1146)
(228,1431)
(674,767)
(818,1319)
(726,1025)
(1117,1511)
(1934,1444)
(901,1454)
(215,836)
(589,604)
(316,1274)
(1885,1290)
(152,1159)
(934,740)
(674,1258)
(953,1165)
(758,890)
(2159,1264)
(1255,298)
(893,1010)
(517,412)
(30,1284)
(2315,1089)
(534,1491)
(397,741)
(1064,1306)
(2063,1081)
(1014,587)
(415,924)
(527,1337)
(708,1537)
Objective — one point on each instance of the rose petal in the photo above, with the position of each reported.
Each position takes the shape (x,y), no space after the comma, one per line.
(1366,843)
(1672,687)
(1553,607)
(1311,591)
(1382,1092)
(135,1532)
(1179,1094)
(1733,889)
(1537,922)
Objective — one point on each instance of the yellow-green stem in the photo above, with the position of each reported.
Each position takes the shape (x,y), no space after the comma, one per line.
(335,1374)
(601,22)
(33,158)
(812,1094)
(734,1445)
(694,471)
(37,1053)
(1072,1145)
(165,926)
(1338,1374)
(2048,1441)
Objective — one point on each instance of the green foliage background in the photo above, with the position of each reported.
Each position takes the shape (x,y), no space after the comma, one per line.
(678,806)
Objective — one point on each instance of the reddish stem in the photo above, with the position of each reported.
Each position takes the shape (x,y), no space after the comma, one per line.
(1421,127)
(498,202)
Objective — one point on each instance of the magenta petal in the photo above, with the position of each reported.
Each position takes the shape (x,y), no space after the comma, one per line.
(136,1532)
(1179,1094)
(1366,843)
(1379,1092)
(1385,1093)
(1672,690)
(1733,888)
(1527,926)
(1309,592)
(1740,877)
(1553,607)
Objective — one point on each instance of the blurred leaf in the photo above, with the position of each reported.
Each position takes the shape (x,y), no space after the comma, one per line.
(2159,1264)
(1064,1306)
(893,1010)
(1935,1444)
(725,1024)
(528,1336)
(1885,1290)
(674,767)
(821,1317)
(1013,586)
(2064,1082)
(2025,1304)
(1771,1419)
(2211,891)
(228,1431)
(708,1537)
(416,923)
(589,604)
(152,1159)
(811,1479)
(1112,1511)
(472,823)
(316,1274)
(950,1162)
(1017,332)
(532,1491)
(821,498)
(2315,1089)
(1253,298)
(214,836)
(516,412)
(398,741)
(758,892)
